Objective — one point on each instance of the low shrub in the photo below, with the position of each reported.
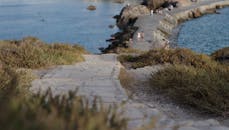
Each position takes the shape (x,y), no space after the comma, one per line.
(171,56)
(45,112)
(21,110)
(33,53)
(203,88)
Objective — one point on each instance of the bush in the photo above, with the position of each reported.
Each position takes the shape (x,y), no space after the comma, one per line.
(203,88)
(172,56)
(45,112)
(221,55)
(32,53)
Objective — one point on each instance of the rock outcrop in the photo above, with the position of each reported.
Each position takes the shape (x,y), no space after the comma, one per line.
(154,4)
(91,7)
(129,14)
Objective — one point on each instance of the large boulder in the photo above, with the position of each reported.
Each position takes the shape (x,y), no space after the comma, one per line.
(154,4)
(129,14)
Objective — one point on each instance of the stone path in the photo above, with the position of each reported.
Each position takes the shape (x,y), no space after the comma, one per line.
(98,76)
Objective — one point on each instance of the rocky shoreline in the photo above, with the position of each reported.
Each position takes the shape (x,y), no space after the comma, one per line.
(162,27)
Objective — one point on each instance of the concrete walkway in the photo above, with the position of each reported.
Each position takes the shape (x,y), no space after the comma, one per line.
(98,76)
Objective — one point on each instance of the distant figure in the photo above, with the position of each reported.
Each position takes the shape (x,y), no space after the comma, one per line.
(170,7)
(166,44)
(139,35)
(142,35)
(160,12)
(151,12)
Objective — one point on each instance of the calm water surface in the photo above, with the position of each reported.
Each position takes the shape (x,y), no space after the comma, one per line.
(206,34)
(59,21)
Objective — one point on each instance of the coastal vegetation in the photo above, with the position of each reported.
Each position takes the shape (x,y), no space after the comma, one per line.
(204,88)
(32,53)
(188,78)
(22,110)
(171,56)
(221,55)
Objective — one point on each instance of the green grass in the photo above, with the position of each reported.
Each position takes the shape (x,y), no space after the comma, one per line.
(172,56)
(33,53)
(204,88)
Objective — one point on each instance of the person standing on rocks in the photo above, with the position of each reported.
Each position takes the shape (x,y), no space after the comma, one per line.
(151,12)
(139,35)
(142,35)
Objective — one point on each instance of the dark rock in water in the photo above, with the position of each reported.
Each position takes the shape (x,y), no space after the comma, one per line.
(129,14)
(116,17)
(42,20)
(111,26)
(166,4)
(125,21)
(119,1)
(120,40)
(91,7)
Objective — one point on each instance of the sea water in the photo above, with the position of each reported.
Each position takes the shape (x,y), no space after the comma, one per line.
(206,34)
(66,21)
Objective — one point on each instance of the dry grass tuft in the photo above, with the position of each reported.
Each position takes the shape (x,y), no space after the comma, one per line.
(33,53)
(126,80)
(204,88)
(172,56)
(221,55)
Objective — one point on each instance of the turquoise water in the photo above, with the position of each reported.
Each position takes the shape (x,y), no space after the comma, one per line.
(59,21)
(206,34)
